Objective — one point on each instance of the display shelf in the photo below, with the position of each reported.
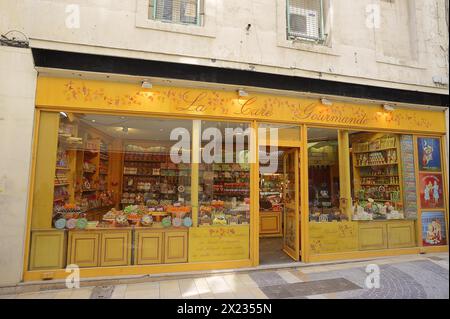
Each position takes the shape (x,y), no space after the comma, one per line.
(376,150)
(150,173)
(383,164)
(373,180)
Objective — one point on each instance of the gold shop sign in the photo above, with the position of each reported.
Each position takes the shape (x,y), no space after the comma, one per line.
(63,93)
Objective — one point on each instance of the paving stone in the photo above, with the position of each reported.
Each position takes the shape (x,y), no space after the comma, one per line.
(433,267)
(303,289)
(102,292)
(321,287)
(394,284)
(267,278)
(437,258)
(277,291)
(425,275)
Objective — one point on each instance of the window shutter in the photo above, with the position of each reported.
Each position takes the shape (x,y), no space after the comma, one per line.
(151,9)
(177,11)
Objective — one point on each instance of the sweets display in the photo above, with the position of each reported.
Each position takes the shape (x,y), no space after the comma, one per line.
(143,216)
(377,192)
(146,188)
(218,212)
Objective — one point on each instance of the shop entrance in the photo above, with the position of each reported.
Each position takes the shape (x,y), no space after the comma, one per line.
(279,214)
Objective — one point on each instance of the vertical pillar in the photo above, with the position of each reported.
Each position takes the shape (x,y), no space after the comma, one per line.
(344,173)
(195,160)
(304,202)
(254,194)
(44,180)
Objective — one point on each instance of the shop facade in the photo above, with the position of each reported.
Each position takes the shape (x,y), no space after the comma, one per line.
(109,194)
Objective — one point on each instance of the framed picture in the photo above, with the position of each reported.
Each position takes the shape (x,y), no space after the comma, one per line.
(429,152)
(431,190)
(433,229)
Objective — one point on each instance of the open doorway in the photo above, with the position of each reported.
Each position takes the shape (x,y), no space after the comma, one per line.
(279,189)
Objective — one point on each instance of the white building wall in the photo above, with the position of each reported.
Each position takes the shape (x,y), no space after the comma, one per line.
(17,88)
(392,54)
(352,53)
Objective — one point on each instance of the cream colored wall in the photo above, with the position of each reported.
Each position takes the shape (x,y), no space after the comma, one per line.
(354,53)
(17,87)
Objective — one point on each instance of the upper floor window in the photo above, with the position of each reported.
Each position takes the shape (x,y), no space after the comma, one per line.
(176,11)
(305,20)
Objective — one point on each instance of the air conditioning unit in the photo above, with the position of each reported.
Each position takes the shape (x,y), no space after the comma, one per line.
(303,23)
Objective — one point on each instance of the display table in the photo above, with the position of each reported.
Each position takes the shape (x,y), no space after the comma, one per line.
(384,234)
(103,247)
(270,224)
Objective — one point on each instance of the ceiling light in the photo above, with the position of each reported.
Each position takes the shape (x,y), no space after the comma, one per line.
(326,102)
(242,92)
(388,108)
(146,84)
(63,114)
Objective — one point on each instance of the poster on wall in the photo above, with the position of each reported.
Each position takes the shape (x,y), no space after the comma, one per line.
(409,177)
(431,191)
(433,229)
(429,151)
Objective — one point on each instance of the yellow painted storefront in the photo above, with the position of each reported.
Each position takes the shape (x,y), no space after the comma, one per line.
(107,252)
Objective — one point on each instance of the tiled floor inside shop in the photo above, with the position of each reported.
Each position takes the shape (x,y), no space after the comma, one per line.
(271,251)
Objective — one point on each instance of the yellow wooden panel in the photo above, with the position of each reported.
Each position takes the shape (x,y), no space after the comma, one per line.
(372,235)
(130,97)
(333,237)
(148,247)
(175,247)
(44,181)
(270,223)
(47,249)
(115,248)
(216,243)
(401,234)
(84,248)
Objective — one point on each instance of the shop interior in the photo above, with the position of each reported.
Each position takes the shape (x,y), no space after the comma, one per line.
(375,176)
(273,196)
(122,171)
(114,172)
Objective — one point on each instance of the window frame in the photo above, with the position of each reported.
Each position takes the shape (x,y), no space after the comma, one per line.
(199,18)
(321,36)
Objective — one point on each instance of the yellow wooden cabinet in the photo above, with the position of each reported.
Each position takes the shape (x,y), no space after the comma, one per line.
(270,224)
(111,247)
(47,249)
(84,248)
(175,247)
(386,234)
(372,235)
(149,247)
(115,248)
(401,234)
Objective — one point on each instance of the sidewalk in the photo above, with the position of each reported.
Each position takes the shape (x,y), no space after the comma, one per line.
(414,276)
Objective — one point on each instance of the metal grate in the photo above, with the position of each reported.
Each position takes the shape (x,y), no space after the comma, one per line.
(305,19)
(177,11)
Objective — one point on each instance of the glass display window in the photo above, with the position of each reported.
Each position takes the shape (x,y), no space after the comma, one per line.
(115,171)
(323,176)
(224,174)
(377,176)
